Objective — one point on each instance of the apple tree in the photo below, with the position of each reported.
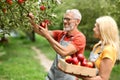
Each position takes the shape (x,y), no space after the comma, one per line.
(13,14)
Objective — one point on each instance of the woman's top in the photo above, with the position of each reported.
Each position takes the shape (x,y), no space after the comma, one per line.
(107,52)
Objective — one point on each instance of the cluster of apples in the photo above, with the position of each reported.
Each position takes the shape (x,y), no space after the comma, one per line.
(10,2)
(79,59)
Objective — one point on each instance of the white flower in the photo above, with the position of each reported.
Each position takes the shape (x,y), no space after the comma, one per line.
(39,1)
(1,30)
(54,15)
(58,1)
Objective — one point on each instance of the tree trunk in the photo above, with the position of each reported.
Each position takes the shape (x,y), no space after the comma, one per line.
(3,40)
(31,35)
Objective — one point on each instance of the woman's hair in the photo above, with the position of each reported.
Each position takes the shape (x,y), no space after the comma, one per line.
(76,13)
(109,31)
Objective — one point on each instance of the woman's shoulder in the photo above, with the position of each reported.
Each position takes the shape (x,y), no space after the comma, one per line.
(109,48)
(109,51)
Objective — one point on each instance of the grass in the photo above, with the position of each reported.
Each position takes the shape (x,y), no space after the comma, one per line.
(115,75)
(18,62)
(45,47)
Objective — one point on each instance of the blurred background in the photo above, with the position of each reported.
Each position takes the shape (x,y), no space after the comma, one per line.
(18,59)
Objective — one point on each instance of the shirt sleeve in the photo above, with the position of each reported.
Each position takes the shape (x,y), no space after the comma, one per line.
(109,52)
(79,42)
(56,34)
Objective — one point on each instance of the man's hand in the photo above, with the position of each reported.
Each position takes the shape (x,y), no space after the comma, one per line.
(30,15)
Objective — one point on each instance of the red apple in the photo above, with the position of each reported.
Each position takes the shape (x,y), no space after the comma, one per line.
(42,7)
(20,1)
(73,55)
(80,57)
(68,59)
(43,24)
(75,60)
(84,62)
(4,10)
(47,21)
(90,64)
(9,2)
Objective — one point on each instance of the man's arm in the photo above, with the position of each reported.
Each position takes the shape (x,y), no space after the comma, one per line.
(63,51)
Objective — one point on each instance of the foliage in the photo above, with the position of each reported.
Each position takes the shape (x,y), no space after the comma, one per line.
(13,13)
(112,9)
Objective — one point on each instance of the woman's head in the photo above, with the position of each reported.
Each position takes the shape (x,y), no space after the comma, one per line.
(108,29)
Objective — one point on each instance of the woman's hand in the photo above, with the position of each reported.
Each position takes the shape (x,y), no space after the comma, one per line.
(92,78)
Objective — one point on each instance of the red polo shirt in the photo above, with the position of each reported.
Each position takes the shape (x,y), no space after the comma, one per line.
(77,39)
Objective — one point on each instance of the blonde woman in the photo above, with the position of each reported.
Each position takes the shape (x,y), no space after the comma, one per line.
(105,52)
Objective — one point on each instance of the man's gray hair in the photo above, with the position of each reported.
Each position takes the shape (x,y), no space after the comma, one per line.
(76,13)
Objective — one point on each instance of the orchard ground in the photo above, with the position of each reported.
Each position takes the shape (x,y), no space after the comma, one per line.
(44,61)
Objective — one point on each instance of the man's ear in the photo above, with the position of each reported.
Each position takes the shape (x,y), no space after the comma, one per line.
(78,21)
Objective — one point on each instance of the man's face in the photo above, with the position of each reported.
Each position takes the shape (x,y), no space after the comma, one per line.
(69,22)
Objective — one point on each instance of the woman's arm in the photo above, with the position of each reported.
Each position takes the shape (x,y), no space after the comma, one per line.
(105,68)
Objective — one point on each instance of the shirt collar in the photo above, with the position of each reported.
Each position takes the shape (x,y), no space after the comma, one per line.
(73,33)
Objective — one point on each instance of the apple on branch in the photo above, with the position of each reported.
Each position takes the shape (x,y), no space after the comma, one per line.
(43,24)
(9,2)
(42,8)
(20,1)
(4,10)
